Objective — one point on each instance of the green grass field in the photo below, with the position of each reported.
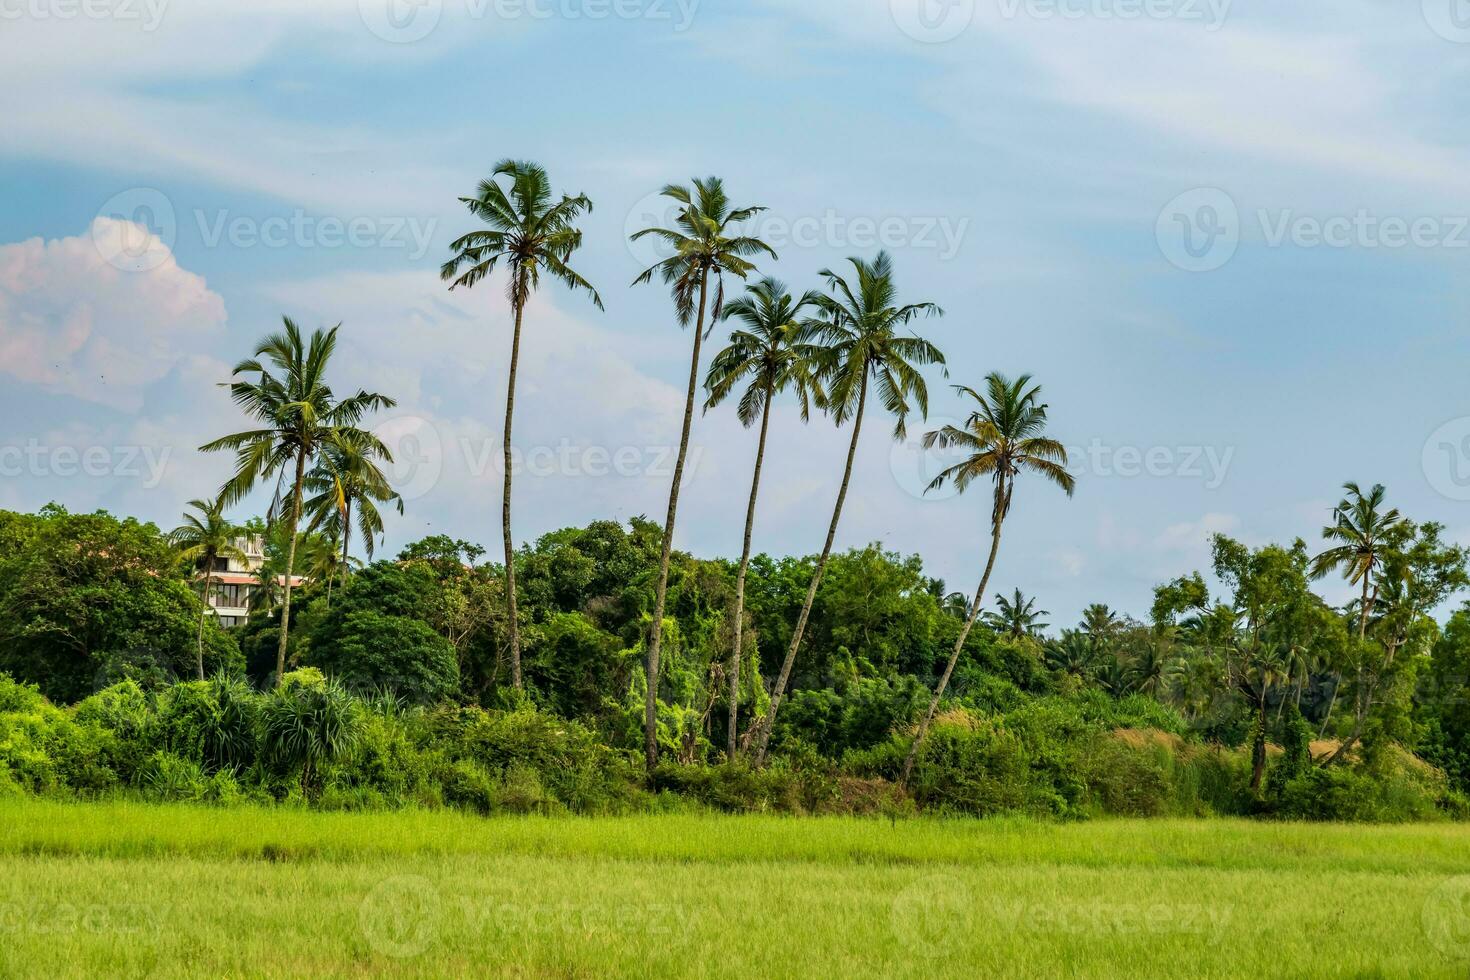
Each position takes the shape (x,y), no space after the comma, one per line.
(120,889)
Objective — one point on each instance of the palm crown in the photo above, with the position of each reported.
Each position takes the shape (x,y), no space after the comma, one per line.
(348,484)
(529,231)
(859,331)
(700,245)
(1003,437)
(769,350)
(1359,529)
(206,535)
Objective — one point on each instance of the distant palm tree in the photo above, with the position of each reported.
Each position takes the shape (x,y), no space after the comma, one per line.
(1016,617)
(1099,622)
(347,474)
(1149,671)
(1362,533)
(531,233)
(203,539)
(862,348)
(297,412)
(704,248)
(1005,438)
(769,352)
(1072,654)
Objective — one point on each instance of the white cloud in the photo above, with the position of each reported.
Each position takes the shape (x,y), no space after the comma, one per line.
(75,323)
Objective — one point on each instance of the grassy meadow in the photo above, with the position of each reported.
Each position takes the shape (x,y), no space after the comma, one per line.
(132,889)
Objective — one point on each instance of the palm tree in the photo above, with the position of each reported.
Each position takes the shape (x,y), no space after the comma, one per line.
(861,348)
(1004,435)
(1361,535)
(348,474)
(1099,622)
(297,412)
(1149,671)
(702,248)
(202,539)
(1016,617)
(1073,654)
(770,353)
(530,233)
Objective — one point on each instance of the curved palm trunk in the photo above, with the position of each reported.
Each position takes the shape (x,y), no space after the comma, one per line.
(514,640)
(768,725)
(755,483)
(650,700)
(346,543)
(954,657)
(290,565)
(203,612)
(1361,708)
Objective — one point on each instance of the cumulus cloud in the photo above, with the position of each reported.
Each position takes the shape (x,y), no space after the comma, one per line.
(76,323)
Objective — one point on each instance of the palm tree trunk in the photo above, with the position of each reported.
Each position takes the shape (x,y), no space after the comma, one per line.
(203,612)
(1258,744)
(346,543)
(650,700)
(290,565)
(1331,703)
(755,482)
(954,657)
(768,724)
(514,639)
(1360,709)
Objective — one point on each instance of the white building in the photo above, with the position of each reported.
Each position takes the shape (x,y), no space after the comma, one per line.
(234,582)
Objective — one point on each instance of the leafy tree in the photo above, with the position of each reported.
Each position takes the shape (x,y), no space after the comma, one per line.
(203,539)
(530,233)
(1005,438)
(297,412)
(768,352)
(861,347)
(702,248)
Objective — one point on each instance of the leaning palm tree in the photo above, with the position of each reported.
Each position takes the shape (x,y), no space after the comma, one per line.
(347,477)
(703,249)
(768,352)
(862,348)
(297,412)
(530,233)
(1005,438)
(203,539)
(1016,617)
(1361,536)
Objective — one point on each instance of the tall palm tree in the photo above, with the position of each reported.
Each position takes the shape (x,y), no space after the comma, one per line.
(862,348)
(530,233)
(1005,438)
(203,538)
(1361,532)
(769,352)
(704,247)
(297,412)
(347,475)
(1099,622)
(1016,617)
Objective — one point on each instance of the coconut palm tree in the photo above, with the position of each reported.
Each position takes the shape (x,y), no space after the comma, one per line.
(1099,622)
(1362,535)
(1005,438)
(1361,531)
(703,246)
(297,412)
(863,349)
(530,233)
(205,537)
(347,476)
(1016,617)
(1072,654)
(768,354)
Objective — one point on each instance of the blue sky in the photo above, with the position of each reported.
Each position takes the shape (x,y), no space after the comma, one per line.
(1229,239)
